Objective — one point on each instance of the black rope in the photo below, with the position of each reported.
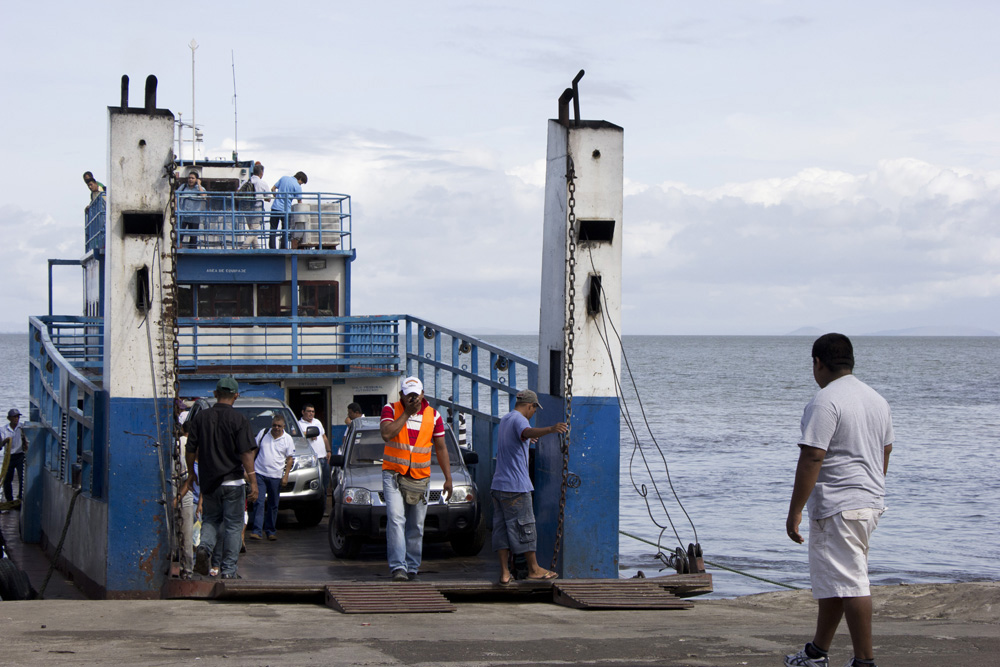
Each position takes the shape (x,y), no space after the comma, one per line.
(62,540)
(637,446)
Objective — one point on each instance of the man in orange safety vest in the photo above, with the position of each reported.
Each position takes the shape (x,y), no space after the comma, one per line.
(411,428)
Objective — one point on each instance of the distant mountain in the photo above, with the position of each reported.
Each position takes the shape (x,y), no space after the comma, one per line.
(914,331)
(937,331)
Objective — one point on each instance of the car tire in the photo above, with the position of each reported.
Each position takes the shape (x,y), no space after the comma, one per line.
(310,515)
(341,544)
(471,543)
(14,583)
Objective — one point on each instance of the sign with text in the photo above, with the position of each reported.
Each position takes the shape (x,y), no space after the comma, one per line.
(230,269)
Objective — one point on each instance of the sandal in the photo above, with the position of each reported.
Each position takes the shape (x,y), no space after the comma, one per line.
(547,575)
(508,582)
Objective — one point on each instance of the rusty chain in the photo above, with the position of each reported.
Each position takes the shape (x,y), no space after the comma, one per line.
(171,376)
(569,339)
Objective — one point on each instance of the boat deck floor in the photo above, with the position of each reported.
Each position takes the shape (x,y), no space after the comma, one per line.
(299,566)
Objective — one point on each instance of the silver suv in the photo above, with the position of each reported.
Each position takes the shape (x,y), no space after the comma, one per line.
(303,493)
(358,514)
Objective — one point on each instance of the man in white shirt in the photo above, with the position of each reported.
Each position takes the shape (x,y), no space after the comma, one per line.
(256,220)
(847,436)
(275,455)
(16,444)
(320,444)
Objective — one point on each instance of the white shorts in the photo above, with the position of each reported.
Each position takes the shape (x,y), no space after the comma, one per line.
(838,553)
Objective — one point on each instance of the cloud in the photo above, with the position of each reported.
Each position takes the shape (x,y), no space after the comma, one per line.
(902,239)
(31,238)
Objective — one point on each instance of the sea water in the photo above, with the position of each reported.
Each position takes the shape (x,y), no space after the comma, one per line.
(724,412)
(723,418)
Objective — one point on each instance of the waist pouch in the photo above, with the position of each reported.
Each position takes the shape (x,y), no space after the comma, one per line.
(413,490)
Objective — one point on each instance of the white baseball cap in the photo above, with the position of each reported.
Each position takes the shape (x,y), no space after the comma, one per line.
(411,385)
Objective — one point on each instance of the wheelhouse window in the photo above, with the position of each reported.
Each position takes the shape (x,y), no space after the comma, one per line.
(215,300)
(316,299)
(225,301)
(319,299)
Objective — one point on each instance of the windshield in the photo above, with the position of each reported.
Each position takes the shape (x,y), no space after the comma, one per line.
(367,447)
(260,418)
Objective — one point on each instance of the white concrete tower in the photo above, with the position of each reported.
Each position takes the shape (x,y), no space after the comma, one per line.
(138,352)
(581,320)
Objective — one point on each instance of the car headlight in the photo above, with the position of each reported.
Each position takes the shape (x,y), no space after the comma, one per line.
(302,462)
(462,494)
(357,496)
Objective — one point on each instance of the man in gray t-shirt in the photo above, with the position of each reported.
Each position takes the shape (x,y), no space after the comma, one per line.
(843,458)
(513,514)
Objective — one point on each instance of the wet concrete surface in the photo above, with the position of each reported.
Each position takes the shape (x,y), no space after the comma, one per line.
(915,626)
(753,631)
(303,554)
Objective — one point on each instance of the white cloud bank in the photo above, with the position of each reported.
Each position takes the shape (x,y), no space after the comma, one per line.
(906,244)
(887,249)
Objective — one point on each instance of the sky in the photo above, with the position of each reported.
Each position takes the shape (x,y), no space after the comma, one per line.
(787,164)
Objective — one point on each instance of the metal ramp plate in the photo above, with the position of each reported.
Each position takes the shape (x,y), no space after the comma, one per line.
(615,594)
(388,598)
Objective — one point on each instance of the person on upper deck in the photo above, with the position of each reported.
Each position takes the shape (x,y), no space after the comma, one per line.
(193,198)
(410,428)
(256,221)
(93,185)
(96,187)
(286,188)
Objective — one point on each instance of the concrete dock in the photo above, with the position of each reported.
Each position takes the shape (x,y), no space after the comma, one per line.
(915,626)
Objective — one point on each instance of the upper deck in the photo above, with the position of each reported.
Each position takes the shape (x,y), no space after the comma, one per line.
(209,222)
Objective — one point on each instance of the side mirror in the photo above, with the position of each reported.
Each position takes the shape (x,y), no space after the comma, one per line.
(469,457)
(336,460)
(312,432)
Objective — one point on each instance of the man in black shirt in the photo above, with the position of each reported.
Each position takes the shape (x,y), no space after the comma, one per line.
(219,439)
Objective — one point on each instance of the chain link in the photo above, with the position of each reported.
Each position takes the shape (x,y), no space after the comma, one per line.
(569,339)
(168,315)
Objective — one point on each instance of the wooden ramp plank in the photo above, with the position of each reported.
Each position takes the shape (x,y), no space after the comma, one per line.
(388,598)
(615,594)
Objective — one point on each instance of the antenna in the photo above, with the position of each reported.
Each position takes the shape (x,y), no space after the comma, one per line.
(236,122)
(194,126)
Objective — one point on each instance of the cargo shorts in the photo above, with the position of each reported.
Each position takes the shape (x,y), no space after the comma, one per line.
(513,522)
(838,553)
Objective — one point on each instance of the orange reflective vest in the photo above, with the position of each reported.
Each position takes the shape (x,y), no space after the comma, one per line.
(410,459)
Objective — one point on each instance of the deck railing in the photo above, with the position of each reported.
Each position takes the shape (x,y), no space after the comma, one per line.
(463,376)
(93,224)
(212,220)
(67,405)
(274,347)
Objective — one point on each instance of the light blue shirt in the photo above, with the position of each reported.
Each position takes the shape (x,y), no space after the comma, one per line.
(287,188)
(511,474)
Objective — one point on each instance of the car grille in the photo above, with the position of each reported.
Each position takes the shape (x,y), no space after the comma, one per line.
(435,497)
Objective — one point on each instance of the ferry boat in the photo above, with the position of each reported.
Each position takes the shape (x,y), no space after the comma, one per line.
(177,295)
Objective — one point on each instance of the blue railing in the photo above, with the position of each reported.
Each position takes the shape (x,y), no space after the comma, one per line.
(67,406)
(240,220)
(463,375)
(94,222)
(276,346)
